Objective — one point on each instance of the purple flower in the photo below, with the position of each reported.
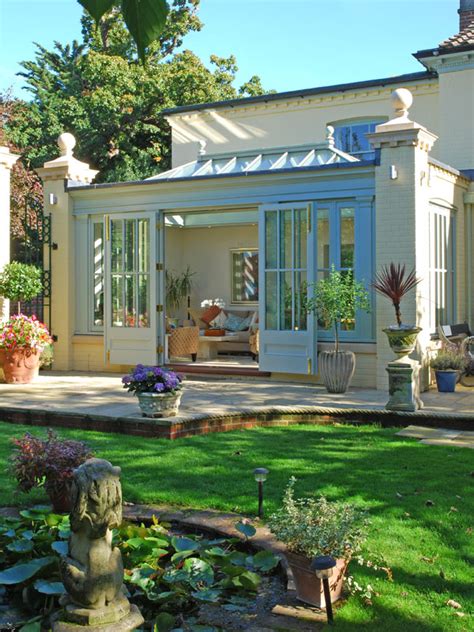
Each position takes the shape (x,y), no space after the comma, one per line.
(159,388)
(126,379)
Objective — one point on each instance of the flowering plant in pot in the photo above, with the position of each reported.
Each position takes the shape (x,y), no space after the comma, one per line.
(48,463)
(23,339)
(447,366)
(158,390)
(335,300)
(394,283)
(310,527)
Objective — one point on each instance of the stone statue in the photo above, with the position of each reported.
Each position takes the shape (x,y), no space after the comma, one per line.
(92,572)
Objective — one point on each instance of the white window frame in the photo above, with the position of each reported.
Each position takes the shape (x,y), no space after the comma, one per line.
(442,264)
(353,122)
(97,219)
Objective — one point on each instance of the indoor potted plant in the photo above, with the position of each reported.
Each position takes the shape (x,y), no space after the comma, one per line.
(158,390)
(49,462)
(178,288)
(22,342)
(393,283)
(447,366)
(335,300)
(310,527)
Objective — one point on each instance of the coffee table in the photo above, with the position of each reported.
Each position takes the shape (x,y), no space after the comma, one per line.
(208,345)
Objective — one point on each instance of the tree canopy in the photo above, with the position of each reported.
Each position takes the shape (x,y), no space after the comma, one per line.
(98,90)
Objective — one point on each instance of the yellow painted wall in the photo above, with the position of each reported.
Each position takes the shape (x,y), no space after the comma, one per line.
(292,122)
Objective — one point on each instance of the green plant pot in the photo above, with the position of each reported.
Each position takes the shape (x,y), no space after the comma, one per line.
(402,340)
(159,404)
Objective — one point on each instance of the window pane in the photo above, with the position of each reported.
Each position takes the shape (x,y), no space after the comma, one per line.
(347,237)
(117,301)
(359,141)
(130,312)
(271,233)
(285,239)
(271,319)
(323,322)
(130,245)
(301,293)
(323,238)
(286,301)
(143,300)
(143,245)
(301,228)
(116,245)
(245,276)
(98,274)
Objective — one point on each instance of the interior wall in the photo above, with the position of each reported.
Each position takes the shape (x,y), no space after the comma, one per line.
(207,252)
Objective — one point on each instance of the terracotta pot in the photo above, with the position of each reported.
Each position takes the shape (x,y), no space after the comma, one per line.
(159,404)
(20,366)
(309,588)
(336,369)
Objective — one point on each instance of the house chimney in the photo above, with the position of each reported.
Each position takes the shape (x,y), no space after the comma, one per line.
(466,14)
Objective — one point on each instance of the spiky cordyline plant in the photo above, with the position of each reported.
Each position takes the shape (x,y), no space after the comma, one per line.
(392,282)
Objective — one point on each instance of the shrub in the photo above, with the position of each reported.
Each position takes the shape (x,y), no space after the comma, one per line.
(50,462)
(20,282)
(152,379)
(448,361)
(392,283)
(318,527)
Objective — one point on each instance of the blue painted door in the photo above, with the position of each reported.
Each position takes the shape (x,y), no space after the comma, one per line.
(287,333)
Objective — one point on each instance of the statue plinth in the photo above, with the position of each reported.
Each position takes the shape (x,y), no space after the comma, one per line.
(131,621)
(404,385)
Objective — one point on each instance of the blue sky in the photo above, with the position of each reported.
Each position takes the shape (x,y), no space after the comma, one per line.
(291,44)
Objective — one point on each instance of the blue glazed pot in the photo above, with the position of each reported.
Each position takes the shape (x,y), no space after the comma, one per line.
(446,381)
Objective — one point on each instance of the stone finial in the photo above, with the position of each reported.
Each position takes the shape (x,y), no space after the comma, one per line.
(92,570)
(330,135)
(402,100)
(66,144)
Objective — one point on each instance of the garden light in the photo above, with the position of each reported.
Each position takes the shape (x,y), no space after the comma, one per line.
(260,474)
(323,566)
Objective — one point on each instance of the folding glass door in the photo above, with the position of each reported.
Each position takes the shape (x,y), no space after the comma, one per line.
(287,334)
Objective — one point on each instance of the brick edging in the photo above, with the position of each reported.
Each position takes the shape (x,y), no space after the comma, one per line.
(204,423)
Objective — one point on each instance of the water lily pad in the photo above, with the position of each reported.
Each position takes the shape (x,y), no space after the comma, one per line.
(22,572)
(49,588)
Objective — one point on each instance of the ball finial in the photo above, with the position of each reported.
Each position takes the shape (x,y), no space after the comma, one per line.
(402,100)
(330,135)
(66,144)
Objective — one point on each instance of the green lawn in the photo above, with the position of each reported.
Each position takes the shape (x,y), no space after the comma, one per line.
(429,548)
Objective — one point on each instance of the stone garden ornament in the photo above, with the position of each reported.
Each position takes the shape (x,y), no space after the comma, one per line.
(92,571)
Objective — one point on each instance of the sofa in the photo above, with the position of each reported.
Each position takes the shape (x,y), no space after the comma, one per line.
(240,342)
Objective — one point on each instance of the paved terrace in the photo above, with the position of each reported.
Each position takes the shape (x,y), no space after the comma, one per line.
(102,395)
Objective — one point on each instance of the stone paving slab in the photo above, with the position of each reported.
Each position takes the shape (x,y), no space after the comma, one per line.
(440,436)
(455,443)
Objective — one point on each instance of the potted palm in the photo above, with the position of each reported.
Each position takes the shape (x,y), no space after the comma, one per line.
(335,300)
(178,288)
(310,527)
(446,366)
(394,283)
(158,390)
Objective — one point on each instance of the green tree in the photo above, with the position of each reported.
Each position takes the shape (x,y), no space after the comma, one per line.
(98,90)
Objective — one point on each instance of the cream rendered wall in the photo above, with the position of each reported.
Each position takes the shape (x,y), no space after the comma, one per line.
(207,252)
(456,107)
(290,122)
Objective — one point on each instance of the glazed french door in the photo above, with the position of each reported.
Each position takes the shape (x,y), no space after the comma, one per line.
(133,289)
(287,332)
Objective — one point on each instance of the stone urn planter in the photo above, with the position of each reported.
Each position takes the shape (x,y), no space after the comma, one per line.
(309,588)
(20,366)
(402,339)
(157,405)
(336,369)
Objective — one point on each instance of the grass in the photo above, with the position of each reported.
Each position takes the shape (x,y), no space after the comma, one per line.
(429,547)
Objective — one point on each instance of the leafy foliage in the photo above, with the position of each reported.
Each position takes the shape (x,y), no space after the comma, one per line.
(27,333)
(168,576)
(318,527)
(178,287)
(337,298)
(448,361)
(20,281)
(392,283)
(49,462)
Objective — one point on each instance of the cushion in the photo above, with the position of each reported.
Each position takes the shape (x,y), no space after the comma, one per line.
(235,323)
(210,313)
(219,321)
(196,313)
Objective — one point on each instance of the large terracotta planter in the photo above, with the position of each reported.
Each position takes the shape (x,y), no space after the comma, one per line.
(309,588)
(20,366)
(159,404)
(336,369)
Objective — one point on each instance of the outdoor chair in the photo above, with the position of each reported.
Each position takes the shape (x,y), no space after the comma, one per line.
(184,341)
(459,339)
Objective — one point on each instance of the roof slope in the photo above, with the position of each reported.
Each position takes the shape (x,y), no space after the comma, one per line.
(462,39)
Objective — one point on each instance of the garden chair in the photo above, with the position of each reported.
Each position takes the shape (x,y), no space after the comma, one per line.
(459,339)
(184,341)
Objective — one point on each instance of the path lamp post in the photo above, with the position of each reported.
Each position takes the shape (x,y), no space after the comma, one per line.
(323,566)
(260,474)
